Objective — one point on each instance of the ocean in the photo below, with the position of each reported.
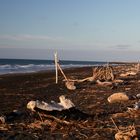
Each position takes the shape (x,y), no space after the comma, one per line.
(9,66)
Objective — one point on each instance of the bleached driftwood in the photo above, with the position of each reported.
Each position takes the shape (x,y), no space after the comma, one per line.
(138,67)
(111,83)
(104,73)
(128,134)
(118,81)
(62,105)
(56,119)
(118,97)
(90,79)
(69,84)
(56,68)
(130,73)
(104,83)
(135,68)
(99,73)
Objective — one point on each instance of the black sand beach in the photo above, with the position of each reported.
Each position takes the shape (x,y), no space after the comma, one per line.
(90,120)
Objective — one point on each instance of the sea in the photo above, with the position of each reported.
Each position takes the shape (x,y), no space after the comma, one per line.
(11,66)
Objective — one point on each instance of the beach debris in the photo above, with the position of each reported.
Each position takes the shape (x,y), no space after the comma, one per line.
(118,81)
(125,133)
(89,79)
(118,97)
(65,105)
(103,73)
(104,83)
(109,83)
(122,114)
(127,88)
(138,96)
(128,133)
(69,84)
(130,73)
(56,68)
(137,67)
(137,105)
(56,119)
(2,119)
(62,105)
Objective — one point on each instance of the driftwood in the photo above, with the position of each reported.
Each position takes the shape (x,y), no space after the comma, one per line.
(127,133)
(69,84)
(90,79)
(104,83)
(109,83)
(130,73)
(138,67)
(118,81)
(99,73)
(118,97)
(56,68)
(103,76)
(104,73)
(62,105)
(56,119)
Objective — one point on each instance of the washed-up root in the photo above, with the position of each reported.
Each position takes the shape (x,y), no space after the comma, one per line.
(127,133)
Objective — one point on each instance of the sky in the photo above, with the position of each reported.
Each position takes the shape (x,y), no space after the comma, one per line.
(94,30)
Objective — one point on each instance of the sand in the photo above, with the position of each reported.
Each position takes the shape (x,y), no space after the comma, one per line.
(89,120)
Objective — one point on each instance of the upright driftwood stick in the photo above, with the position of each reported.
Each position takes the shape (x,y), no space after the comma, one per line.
(56,68)
(138,66)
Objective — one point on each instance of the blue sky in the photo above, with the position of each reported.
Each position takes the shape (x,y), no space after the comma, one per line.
(104,30)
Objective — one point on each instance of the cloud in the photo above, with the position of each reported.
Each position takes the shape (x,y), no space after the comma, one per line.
(28,37)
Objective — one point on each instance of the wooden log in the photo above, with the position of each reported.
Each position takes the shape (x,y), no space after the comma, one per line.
(104,83)
(118,97)
(56,70)
(62,72)
(68,84)
(56,119)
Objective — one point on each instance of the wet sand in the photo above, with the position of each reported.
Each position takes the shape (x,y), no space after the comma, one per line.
(90,99)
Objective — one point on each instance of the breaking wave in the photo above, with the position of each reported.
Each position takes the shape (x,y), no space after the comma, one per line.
(25,66)
(5,69)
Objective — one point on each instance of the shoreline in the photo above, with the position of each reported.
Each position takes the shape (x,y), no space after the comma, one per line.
(67,68)
(16,90)
(27,66)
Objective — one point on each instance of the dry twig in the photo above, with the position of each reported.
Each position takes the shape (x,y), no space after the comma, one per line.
(56,119)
